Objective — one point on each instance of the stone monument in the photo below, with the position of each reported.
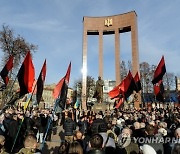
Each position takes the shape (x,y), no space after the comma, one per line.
(110,25)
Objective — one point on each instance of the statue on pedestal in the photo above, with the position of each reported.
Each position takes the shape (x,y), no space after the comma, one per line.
(99,90)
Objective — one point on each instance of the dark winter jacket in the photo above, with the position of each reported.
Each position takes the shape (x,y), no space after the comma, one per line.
(69,127)
(83,125)
(37,124)
(98,126)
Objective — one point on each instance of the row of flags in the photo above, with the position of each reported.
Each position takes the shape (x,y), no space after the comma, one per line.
(26,79)
(127,86)
(122,91)
(26,76)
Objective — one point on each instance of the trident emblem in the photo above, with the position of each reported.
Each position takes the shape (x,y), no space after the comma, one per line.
(108,22)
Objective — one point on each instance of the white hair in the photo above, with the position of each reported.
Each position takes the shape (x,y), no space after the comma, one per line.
(142,125)
(162,131)
(136,125)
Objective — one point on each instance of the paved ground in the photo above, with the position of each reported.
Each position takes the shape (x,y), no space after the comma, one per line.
(52,147)
(57,134)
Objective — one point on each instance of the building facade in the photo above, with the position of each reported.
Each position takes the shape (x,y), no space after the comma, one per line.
(108,86)
(178,84)
(47,96)
(48,99)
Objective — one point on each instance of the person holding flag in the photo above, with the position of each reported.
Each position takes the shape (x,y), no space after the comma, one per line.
(26,77)
(60,94)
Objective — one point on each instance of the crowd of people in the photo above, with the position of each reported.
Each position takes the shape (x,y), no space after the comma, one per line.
(123,131)
(24,129)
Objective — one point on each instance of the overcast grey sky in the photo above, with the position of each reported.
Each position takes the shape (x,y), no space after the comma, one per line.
(56,27)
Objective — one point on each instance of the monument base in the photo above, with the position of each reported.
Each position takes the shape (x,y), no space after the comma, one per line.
(137,104)
(102,106)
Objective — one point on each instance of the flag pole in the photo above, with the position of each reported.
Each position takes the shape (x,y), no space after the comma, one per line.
(11,89)
(168,88)
(56,102)
(155,99)
(28,102)
(143,90)
(6,103)
(25,108)
(50,119)
(49,123)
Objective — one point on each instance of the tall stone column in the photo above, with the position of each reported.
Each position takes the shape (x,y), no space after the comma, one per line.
(135,50)
(135,55)
(117,56)
(84,70)
(101,54)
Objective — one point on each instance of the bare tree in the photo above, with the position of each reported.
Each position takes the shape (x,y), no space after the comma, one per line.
(90,87)
(146,77)
(147,74)
(124,70)
(169,81)
(14,45)
(130,65)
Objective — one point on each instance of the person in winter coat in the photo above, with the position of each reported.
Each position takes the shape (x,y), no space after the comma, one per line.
(83,125)
(69,127)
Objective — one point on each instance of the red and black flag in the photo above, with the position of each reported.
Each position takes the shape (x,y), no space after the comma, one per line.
(116,91)
(6,69)
(120,102)
(26,75)
(159,91)
(61,89)
(129,85)
(137,82)
(160,71)
(126,87)
(58,88)
(40,83)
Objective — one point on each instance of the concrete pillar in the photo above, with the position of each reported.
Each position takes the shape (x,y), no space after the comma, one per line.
(135,55)
(135,50)
(84,70)
(117,56)
(101,54)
